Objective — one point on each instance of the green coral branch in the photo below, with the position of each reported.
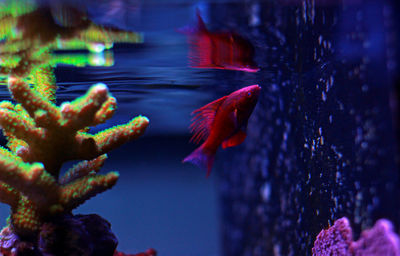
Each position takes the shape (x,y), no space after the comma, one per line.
(29,179)
(44,82)
(21,128)
(82,60)
(25,217)
(114,137)
(106,111)
(7,25)
(95,33)
(7,153)
(14,8)
(13,142)
(78,191)
(8,194)
(7,105)
(82,112)
(83,169)
(33,101)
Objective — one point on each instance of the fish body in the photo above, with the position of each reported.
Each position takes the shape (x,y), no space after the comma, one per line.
(220,50)
(222,122)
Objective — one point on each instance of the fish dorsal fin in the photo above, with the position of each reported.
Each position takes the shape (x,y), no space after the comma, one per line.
(235,140)
(203,119)
(201,26)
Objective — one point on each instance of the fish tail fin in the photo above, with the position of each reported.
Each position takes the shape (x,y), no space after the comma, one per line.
(201,157)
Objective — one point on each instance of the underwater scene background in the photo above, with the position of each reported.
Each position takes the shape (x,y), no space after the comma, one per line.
(322,142)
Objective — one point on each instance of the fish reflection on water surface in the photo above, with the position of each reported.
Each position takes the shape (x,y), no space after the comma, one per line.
(219,50)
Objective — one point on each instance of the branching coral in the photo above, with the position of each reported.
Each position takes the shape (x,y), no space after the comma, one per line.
(42,136)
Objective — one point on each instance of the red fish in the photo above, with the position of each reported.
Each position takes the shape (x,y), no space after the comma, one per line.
(148,252)
(223,121)
(220,50)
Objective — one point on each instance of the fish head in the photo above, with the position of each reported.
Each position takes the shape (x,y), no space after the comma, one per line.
(247,98)
(250,93)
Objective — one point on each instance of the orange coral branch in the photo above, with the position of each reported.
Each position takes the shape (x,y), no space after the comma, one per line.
(106,111)
(113,137)
(77,192)
(81,112)
(37,106)
(12,122)
(8,194)
(44,82)
(29,179)
(82,169)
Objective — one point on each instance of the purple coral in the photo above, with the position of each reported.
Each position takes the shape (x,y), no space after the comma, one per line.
(379,240)
(337,240)
(334,241)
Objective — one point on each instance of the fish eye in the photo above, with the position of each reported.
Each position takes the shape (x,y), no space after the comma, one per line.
(249,94)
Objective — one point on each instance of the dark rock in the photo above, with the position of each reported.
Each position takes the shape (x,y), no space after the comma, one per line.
(71,235)
(80,235)
(104,244)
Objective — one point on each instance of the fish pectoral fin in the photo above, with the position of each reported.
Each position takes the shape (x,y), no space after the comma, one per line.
(235,140)
(233,117)
(203,119)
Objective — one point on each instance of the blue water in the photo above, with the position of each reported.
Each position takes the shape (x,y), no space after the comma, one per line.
(158,202)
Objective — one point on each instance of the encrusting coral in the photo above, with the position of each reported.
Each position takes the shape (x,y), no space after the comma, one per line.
(338,240)
(41,137)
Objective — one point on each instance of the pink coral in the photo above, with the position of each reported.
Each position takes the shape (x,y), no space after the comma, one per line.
(379,240)
(334,241)
(338,240)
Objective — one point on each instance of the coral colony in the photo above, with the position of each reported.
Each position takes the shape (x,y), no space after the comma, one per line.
(30,168)
(41,136)
(338,240)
